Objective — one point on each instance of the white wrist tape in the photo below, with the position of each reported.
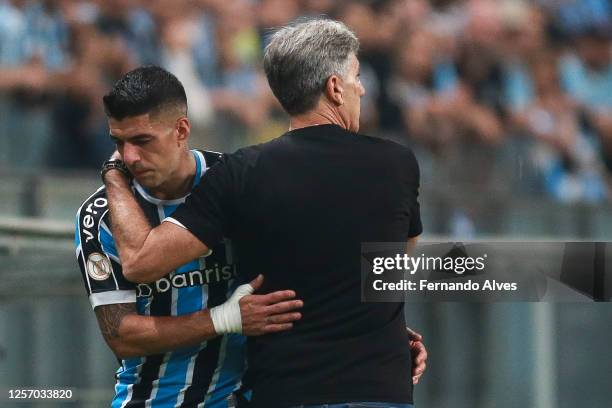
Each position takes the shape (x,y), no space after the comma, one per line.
(226,317)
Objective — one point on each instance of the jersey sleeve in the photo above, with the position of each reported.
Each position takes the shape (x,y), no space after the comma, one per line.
(97,255)
(210,209)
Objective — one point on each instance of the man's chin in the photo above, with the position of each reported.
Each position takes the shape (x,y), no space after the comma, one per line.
(147,180)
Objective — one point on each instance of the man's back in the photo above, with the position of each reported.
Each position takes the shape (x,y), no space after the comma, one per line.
(298,209)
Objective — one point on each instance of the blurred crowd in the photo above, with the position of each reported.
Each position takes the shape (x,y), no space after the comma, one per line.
(468,83)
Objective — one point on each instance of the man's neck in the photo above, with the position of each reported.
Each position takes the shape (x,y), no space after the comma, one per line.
(179,183)
(323,114)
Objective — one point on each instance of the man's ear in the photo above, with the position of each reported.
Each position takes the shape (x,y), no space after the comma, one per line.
(334,90)
(184,129)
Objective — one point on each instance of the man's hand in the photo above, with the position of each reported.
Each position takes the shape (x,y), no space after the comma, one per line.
(115,173)
(254,315)
(419,355)
(274,312)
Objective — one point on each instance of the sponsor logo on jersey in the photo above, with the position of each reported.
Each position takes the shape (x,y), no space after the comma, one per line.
(216,273)
(99,205)
(98,267)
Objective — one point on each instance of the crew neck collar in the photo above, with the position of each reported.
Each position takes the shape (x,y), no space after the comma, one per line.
(318,128)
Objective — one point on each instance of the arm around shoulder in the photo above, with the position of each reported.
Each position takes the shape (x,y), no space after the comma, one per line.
(165,248)
(146,253)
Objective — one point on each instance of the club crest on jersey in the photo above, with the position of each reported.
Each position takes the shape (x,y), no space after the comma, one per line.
(98,267)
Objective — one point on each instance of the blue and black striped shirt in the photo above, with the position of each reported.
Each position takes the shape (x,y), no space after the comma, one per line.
(203,375)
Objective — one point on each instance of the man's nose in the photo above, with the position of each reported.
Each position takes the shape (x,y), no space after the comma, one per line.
(130,154)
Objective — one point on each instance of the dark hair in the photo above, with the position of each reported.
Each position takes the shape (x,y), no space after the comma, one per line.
(143,90)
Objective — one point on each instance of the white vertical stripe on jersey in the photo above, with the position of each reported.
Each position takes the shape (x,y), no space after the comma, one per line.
(174,300)
(215,377)
(130,387)
(160,374)
(222,354)
(167,355)
(189,377)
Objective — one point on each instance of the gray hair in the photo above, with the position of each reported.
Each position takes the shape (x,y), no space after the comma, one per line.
(300,58)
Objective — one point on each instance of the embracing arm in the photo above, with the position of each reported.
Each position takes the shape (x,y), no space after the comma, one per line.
(129,334)
(146,253)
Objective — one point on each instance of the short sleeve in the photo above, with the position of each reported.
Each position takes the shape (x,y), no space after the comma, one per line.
(97,257)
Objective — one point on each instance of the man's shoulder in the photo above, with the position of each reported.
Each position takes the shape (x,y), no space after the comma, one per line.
(95,205)
(374,146)
(389,149)
(210,157)
(384,142)
(246,156)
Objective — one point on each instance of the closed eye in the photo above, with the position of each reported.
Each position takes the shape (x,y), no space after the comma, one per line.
(116,141)
(136,140)
(140,140)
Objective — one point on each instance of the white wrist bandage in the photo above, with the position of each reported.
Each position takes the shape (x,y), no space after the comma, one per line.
(226,317)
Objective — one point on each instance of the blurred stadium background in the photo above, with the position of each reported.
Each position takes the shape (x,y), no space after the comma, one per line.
(507,104)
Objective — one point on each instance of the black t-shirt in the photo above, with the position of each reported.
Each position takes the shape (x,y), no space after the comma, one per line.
(297,210)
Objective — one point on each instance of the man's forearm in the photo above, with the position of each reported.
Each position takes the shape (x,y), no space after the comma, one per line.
(132,335)
(145,335)
(129,225)
(146,253)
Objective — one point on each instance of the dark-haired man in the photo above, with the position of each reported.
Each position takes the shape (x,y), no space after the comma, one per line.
(179,338)
(299,207)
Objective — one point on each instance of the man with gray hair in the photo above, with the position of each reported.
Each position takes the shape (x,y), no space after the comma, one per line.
(297,209)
